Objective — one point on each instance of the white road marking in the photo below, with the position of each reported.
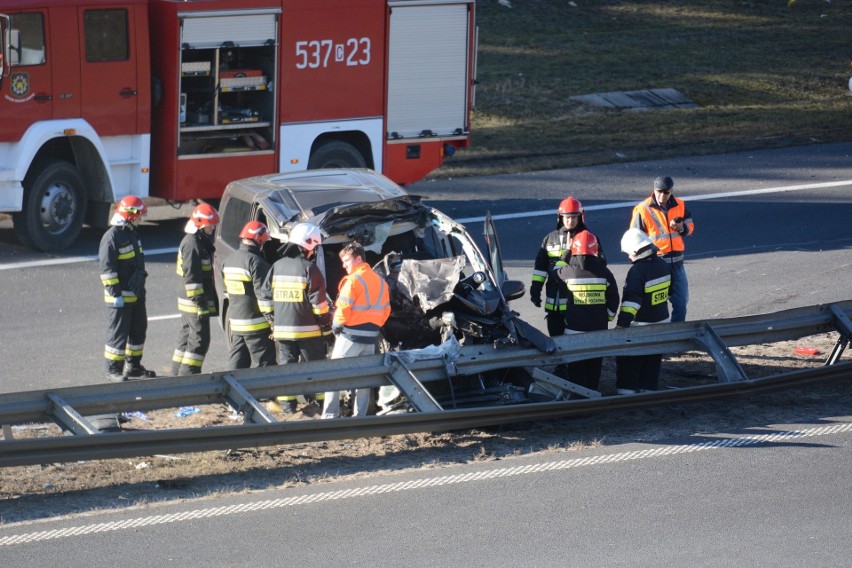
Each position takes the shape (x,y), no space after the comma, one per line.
(722,442)
(690,198)
(73,260)
(619,205)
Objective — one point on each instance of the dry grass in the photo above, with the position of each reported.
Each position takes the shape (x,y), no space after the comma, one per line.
(765,75)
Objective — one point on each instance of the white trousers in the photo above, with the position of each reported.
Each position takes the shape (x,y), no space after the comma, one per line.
(345,348)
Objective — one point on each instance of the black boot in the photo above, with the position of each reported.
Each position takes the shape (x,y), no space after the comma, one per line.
(138,372)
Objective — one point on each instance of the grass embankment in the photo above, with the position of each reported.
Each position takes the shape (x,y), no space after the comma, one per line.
(765,74)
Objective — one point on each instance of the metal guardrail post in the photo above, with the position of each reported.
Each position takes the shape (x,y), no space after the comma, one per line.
(728,368)
(408,383)
(562,384)
(69,418)
(242,401)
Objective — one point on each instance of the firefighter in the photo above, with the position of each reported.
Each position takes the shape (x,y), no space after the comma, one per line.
(644,301)
(122,268)
(301,319)
(243,273)
(197,300)
(667,221)
(556,246)
(591,304)
(361,309)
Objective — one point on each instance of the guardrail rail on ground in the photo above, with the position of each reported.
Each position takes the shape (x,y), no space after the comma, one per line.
(244,389)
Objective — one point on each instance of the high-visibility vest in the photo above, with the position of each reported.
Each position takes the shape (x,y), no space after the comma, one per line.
(650,218)
(363,304)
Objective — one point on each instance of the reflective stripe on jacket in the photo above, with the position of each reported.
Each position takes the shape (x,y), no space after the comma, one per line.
(592,294)
(243,275)
(295,288)
(363,305)
(197,292)
(646,292)
(555,247)
(122,264)
(654,220)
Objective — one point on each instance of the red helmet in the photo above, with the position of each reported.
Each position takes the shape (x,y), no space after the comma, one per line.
(570,206)
(584,243)
(131,208)
(205,215)
(255,231)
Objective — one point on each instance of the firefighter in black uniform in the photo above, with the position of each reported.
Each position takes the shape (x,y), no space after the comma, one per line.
(644,301)
(122,268)
(592,301)
(556,246)
(197,300)
(301,319)
(243,274)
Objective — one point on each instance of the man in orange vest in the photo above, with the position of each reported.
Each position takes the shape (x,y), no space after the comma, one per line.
(666,220)
(361,309)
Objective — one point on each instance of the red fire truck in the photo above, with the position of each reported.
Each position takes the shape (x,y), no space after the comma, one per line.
(173,99)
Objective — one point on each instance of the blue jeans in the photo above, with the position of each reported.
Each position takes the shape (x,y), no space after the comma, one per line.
(679,292)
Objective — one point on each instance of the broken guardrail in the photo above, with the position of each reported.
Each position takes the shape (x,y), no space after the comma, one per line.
(243,389)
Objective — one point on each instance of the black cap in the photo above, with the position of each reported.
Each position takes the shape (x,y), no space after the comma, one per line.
(663,183)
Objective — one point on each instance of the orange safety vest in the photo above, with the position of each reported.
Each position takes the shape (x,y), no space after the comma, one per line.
(650,218)
(363,304)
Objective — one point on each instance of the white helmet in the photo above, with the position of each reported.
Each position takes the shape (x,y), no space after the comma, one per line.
(306,235)
(637,244)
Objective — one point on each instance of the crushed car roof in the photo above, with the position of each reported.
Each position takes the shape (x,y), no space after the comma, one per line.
(316,191)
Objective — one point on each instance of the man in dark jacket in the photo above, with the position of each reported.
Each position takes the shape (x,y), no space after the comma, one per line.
(301,319)
(556,246)
(243,273)
(122,270)
(197,296)
(591,304)
(644,301)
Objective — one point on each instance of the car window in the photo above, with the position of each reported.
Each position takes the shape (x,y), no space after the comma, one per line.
(234,217)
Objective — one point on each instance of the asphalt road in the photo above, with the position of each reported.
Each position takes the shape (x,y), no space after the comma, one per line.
(724,497)
(755,497)
(751,253)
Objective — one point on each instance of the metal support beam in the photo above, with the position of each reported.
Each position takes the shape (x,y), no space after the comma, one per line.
(728,368)
(242,401)
(844,325)
(561,383)
(408,383)
(69,418)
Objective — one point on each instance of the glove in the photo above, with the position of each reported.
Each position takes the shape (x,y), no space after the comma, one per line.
(118,302)
(535,293)
(336,328)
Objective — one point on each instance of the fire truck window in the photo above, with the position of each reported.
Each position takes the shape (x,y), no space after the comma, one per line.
(26,40)
(106,35)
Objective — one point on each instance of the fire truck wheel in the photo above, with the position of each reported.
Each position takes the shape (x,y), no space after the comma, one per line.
(54,207)
(336,154)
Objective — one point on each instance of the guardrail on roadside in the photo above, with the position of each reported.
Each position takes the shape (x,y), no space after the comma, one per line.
(242,389)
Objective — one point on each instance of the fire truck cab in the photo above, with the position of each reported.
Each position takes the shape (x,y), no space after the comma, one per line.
(172,99)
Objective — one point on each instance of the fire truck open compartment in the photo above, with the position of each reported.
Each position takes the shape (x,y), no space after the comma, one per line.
(227,78)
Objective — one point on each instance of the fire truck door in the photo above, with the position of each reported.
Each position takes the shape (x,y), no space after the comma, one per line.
(65,62)
(27,91)
(110,92)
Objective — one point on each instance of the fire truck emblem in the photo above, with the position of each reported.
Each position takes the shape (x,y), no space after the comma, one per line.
(19,84)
